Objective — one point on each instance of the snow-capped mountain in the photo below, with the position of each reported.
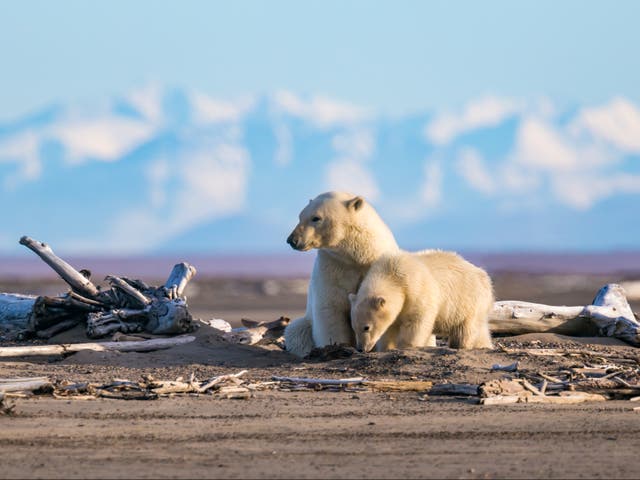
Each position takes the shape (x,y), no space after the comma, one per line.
(168,169)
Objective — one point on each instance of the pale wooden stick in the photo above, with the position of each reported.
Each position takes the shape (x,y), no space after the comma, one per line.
(143,346)
(454,389)
(128,289)
(75,279)
(181,274)
(320,381)
(24,384)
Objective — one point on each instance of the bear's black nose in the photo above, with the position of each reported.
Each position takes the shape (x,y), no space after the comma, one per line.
(360,349)
(292,241)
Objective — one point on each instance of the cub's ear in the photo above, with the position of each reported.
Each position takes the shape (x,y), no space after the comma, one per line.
(355,203)
(378,302)
(352,298)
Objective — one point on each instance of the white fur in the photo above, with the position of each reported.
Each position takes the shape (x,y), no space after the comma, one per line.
(349,237)
(406,297)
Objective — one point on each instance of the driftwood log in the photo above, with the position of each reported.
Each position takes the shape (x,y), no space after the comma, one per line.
(609,315)
(62,349)
(128,306)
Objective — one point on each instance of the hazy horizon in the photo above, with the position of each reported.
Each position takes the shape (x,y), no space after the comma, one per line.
(300,264)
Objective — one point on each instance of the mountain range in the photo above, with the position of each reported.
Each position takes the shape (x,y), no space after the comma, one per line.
(161,169)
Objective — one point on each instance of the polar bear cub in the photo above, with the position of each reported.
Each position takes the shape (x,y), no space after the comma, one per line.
(406,297)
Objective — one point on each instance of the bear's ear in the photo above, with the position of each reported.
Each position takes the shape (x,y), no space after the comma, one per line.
(378,302)
(355,203)
(352,298)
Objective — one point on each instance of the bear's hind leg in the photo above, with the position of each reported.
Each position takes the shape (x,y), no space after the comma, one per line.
(460,336)
(298,337)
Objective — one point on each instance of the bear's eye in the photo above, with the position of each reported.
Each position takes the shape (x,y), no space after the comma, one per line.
(315,219)
(366,328)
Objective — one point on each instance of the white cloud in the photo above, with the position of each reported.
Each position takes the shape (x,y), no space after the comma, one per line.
(350,175)
(515,178)
(617,123)
(284,147)
(484,112)
(540,146)
(319,110)
(207,109)
(431,191)
(21,149)
(148,101)
(105,138)
(210,183)
(358,143)
(571,158)
(470,166)
(582,191)
(348,171)
(157,174)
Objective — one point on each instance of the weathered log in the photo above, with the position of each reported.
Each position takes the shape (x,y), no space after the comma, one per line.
(181,274)
(105,323)
(23,384)
(16,310)
(398,385)
(57,328)
(75,279)
(134,294)
(609,315)
(168,317)
(463,389)
(320,381)
(128,306)
(516,318)
(61,349)
(563,398)
(254,332)
(219,379)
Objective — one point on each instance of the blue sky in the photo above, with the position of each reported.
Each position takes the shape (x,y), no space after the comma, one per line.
(394,56)
(457,119)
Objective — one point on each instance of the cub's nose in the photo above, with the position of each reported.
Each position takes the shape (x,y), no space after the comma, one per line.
(293,241)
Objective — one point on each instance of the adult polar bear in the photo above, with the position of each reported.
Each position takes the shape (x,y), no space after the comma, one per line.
(349,235)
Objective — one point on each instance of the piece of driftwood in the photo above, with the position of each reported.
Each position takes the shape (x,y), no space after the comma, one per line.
(255,332)
(16,310)
(320,381)
(24,384)
(457,389)
(128,306)
(608,315)
(563,398)
(398,385)
(61,349)
(76,280)
(512,367)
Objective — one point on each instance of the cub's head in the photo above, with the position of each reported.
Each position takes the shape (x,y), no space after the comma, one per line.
(370,318)
(323,223)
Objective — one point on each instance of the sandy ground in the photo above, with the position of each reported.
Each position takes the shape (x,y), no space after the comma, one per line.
(316,434)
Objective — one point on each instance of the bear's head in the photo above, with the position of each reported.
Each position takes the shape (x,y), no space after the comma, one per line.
(324,223)
(370,318)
